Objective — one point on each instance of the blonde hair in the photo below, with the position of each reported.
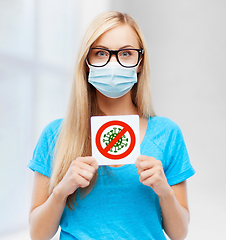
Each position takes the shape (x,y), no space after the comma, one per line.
(74,138)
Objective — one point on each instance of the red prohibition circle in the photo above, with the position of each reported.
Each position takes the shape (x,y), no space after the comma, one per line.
(126,128)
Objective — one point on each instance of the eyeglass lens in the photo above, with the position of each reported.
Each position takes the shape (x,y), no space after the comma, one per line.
(127,57)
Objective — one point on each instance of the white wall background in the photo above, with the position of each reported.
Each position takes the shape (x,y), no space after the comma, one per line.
(38,44)
(186,42)
(187,49)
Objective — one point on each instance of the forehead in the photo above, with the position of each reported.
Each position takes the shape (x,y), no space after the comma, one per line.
(117,37)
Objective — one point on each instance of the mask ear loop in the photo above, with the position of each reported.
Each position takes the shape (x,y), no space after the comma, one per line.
(138,65)
(87,63)
(88,66)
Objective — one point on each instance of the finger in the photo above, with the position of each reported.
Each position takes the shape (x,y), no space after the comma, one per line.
(75,177)
(137,161)
(84,173)
(89,160)
(140,158)
(144,158)
(153,176)
(149,163)
(82,182)
(154,180)
(77,170)
(86,166)
(146,174)
(144,165)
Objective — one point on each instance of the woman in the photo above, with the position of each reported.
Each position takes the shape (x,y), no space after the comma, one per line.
(136,201)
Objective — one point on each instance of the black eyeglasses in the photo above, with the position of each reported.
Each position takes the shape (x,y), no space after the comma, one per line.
(128,57)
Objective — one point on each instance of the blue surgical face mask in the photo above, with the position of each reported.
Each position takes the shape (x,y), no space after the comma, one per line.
(112,80)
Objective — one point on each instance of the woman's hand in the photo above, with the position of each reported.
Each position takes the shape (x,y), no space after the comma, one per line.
(152,175)
(79,174)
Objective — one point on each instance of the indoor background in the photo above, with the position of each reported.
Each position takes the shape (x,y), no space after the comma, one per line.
(186,41)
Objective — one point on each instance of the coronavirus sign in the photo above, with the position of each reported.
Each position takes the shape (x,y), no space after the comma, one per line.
(115,139)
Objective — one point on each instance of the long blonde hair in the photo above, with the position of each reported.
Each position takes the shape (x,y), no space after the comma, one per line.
(74,138)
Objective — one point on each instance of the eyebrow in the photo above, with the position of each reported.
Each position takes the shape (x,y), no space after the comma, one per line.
(101,46)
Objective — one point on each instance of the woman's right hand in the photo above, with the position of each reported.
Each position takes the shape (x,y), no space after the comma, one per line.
(79,174)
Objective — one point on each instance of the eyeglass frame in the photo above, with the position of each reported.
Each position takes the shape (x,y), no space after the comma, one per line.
(115,52)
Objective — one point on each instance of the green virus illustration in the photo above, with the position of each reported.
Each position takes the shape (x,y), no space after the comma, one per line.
(121,143)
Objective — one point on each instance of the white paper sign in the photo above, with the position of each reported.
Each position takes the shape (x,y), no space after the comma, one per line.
(115,139)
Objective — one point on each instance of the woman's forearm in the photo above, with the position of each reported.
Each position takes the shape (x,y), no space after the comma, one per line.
(47,210)
(175,217)
(44,220)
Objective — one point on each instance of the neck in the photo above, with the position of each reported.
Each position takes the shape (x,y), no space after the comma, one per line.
(116,106)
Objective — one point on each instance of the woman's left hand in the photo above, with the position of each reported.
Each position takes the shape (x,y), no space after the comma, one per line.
(152,175)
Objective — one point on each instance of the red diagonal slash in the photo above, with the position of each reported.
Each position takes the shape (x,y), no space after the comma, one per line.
(115,140)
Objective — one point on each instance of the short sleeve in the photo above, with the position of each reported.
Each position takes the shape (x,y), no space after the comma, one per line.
(44,151)
(178,167)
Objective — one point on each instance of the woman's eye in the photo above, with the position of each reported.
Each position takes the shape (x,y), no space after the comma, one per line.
(101,54)
(125,54)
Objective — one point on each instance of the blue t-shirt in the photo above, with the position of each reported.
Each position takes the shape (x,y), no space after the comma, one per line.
(119,206)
